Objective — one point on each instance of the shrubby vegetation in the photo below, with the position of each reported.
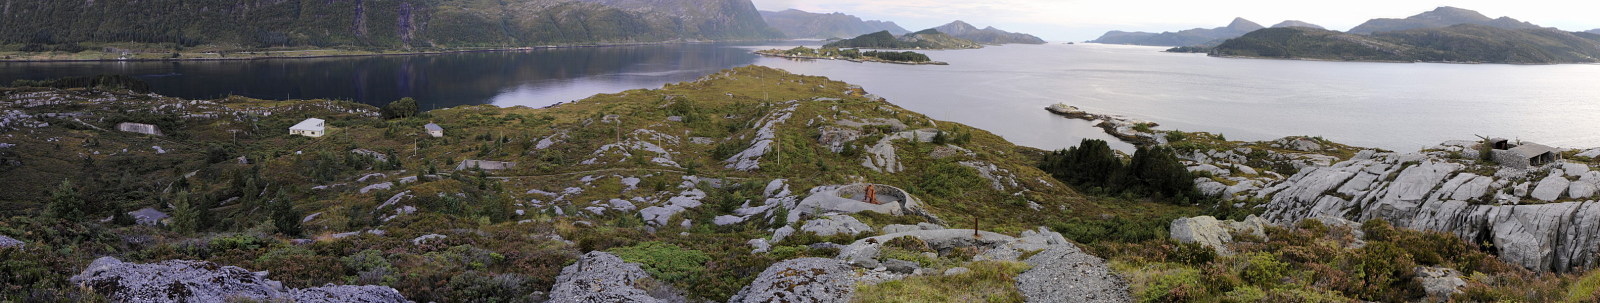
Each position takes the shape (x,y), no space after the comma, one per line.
(1152,171)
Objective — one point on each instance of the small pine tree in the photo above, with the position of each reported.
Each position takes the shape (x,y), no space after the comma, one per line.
(65,203)
(284,217)
(185,214)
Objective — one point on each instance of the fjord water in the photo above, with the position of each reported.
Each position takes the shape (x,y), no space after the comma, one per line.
(1000,89)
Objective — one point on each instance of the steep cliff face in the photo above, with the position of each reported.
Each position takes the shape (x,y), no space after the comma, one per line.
(1543,218)
(383,24)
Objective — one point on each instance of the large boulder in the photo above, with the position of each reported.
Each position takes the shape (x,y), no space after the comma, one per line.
(1062,273)
(1213,233)
(799,281)
(600,277)
(1551,188)
(199,281)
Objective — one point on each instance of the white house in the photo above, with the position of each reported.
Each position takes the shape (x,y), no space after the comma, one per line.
(434,130)
(312,127)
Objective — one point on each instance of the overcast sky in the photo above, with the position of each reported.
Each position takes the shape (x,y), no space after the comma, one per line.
(1078,20)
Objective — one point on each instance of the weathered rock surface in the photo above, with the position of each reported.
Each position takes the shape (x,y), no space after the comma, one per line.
(1213,233)
(835,224)
(9,242)
(1431,192)
(801,280)
(1062,273)
(1439,282)
(199,281)
(1551,188)
(599,277)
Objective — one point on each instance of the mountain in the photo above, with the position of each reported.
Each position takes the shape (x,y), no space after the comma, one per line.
(925,39)
(1594,31)
(1458,43)
(1296,23)
(1440,17)
(396,24)
(987,35)
(798,24)
(1190,37)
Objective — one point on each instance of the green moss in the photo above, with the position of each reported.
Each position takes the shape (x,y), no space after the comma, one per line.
(989,281)
(666,262)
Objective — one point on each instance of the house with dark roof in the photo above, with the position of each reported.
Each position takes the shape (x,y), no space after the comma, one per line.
(434,130)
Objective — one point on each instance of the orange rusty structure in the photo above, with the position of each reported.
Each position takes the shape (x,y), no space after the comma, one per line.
(872,194)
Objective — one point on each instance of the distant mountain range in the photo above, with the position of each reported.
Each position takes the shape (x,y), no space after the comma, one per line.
(392,24)
(925,39)
(1594,31)
(1296,23)
(798,24)
(1455,43)
(1198,36)
(987,35)
(1441,17)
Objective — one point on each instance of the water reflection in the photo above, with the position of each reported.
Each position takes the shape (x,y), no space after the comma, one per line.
(532,78)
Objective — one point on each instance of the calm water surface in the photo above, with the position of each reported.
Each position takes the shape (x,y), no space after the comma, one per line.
(1000,89)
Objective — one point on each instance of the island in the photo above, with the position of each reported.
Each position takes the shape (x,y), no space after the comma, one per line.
(852,55)
(1444,35)
(925,39)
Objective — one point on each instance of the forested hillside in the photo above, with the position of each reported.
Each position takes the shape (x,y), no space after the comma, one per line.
(392,24)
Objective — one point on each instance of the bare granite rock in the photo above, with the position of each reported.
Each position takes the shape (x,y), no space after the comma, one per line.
(1063,273)
(1439,282)
(834,224)
(199,281)
(1210,232)
(599,277)
(799,281)
(9,242)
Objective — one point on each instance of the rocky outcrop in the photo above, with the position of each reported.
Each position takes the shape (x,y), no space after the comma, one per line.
(801,280)
(199,281)
(9,242)
(1436,191)
(1210,232)
(1062,273)
(600,277)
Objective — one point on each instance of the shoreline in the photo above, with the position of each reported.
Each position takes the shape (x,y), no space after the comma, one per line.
(1392,61)
(414,53)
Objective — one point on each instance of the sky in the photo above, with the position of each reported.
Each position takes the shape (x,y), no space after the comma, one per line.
(1080,20)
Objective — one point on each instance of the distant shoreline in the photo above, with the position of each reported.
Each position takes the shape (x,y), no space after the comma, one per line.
(366,54)
(851,60)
